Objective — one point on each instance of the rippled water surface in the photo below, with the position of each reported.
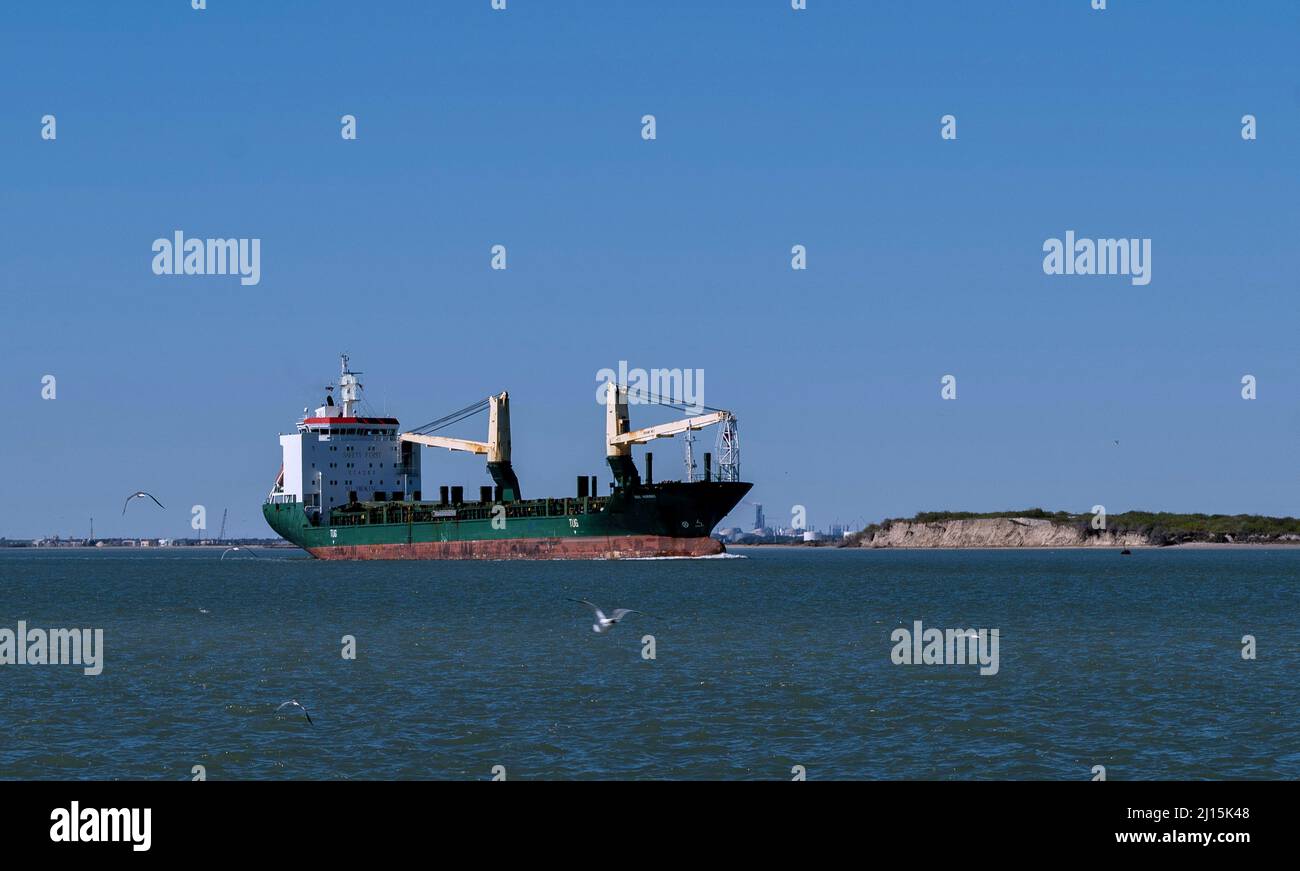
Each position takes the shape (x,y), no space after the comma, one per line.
(778,659)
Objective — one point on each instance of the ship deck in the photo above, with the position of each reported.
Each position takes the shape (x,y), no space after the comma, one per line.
(403,511)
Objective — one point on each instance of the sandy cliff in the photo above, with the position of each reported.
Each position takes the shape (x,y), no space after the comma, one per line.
(997,532)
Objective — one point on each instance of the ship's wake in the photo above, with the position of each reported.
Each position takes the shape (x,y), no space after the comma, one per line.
(705,556)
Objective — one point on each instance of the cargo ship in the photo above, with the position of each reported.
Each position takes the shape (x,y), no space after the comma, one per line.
(350,488)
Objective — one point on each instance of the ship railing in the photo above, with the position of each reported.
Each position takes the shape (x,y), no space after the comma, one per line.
(420,512)
(281,499)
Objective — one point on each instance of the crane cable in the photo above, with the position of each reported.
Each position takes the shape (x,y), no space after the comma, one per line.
(478,407)
(453,418)
(656,399)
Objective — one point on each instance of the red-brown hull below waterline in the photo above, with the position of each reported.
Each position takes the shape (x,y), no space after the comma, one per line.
(577,548)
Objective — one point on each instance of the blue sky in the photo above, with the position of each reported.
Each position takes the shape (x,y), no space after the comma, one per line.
(775,128)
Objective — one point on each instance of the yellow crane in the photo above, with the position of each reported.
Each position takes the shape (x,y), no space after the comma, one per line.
(620,437)
(496,448)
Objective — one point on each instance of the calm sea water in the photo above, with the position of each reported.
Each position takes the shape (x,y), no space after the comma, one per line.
(778,659)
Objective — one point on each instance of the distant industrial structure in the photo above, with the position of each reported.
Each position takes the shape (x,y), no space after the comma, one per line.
(761,533)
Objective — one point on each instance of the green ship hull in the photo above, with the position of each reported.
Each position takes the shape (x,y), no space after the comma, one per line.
(670,519)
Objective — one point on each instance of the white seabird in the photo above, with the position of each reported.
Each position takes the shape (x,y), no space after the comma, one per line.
(140,494)
(236,547)
(603,624)
(295,703)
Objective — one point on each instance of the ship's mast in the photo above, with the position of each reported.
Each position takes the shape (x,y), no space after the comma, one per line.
(689,440)
(349,387)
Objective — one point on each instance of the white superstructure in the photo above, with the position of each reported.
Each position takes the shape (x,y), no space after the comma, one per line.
(337,457)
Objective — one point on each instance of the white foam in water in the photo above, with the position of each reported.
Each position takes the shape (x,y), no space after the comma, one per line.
(709,556)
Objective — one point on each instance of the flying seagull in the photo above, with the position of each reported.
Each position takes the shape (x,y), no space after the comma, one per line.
(603,624)
(236,547)
(296,704)
(140,494)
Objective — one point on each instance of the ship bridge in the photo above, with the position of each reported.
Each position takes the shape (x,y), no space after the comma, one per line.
(348,425)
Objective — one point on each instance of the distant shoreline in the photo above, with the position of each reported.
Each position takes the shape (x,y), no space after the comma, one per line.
(170,547)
